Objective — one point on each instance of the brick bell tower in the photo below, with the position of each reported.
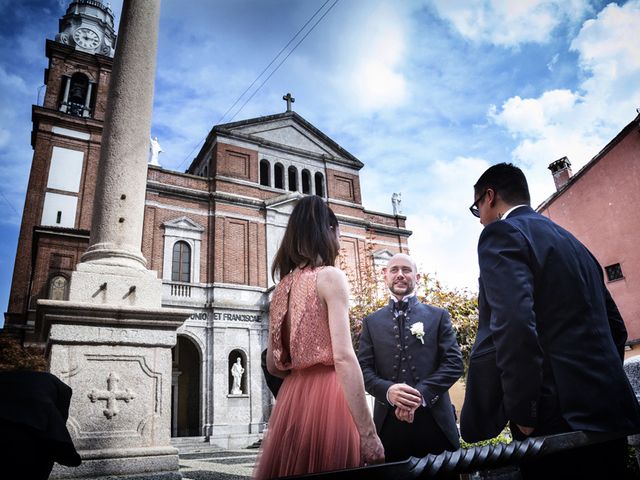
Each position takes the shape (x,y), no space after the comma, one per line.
(66,138)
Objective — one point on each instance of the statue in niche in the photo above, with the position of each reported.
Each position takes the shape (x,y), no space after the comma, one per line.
(237,371)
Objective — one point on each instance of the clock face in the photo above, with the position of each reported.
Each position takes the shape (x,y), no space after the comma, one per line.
(86,38)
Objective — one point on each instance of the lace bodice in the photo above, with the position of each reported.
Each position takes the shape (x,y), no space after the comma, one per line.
(299,334)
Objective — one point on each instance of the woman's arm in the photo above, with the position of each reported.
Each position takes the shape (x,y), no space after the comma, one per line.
(271,364)
(334,291)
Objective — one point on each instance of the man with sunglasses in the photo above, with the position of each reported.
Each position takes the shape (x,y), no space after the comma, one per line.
(550,343)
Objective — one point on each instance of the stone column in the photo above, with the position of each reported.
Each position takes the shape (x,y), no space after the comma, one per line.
(111,341)
(113,269)
(87,101)
(118,209)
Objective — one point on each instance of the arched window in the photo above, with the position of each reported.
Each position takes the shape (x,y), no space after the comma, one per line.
(306,181)
(278,176)
(58,288)
(181,265)
(76,95)
(319,184)
(293,179)
(264,173)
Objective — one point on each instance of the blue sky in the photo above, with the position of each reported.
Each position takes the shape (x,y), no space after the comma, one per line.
(427,94)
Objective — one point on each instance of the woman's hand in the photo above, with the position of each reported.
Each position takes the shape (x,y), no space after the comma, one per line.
(371,450)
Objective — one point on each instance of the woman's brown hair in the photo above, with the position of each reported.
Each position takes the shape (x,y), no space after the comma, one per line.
(310,238)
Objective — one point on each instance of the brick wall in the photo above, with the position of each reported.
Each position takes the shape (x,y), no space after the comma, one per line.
(343,186)
(237,162)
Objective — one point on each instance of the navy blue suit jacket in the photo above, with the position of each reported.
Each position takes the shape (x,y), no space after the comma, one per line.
(550,338)
(433,366)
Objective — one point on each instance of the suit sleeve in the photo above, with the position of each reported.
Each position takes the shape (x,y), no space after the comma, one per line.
(374,384)
(450,367)
(507,276)
(616,324)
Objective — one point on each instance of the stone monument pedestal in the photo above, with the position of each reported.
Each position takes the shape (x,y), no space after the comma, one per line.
(117,360)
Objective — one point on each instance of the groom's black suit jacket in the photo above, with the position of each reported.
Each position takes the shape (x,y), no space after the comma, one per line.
(550,338)
(431,368)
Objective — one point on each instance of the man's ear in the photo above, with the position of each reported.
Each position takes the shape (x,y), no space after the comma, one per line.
(384,271)
(418,277)
(491,197)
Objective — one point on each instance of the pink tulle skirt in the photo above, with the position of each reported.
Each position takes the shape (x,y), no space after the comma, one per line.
(311,429)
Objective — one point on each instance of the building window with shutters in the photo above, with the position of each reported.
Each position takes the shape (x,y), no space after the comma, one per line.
(181,262)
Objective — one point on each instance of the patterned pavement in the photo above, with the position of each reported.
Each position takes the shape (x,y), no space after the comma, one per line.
(218,464)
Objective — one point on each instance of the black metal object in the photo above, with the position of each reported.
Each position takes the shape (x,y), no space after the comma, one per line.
(469,460)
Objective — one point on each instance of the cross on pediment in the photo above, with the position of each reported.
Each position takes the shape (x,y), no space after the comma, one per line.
(111,394)
(289,99)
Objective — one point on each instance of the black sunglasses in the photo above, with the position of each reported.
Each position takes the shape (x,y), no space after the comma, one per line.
(475,211)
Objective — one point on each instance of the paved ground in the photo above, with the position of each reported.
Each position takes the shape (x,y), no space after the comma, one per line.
(218,464)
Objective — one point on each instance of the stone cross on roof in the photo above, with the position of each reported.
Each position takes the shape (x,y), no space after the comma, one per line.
(289,99)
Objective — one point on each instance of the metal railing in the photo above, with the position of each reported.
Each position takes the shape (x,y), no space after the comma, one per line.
(469,460)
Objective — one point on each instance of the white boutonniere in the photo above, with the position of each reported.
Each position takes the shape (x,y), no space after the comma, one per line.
(417,329)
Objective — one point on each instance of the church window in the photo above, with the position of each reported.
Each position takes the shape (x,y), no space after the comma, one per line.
(264,173)
(319,184)
(59,217)
(293,179)
(614,272)
(306,181)
(181,264)
(278,176)
(58,288)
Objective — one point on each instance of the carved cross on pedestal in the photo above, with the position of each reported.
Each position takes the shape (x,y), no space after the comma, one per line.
(111,394)
(289,99)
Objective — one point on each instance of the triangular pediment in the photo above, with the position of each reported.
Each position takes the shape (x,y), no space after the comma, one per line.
(283,203)
(383,255)
(292,136)
(183,223)
(290,131)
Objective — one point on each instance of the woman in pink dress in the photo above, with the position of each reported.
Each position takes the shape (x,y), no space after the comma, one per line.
(321,421)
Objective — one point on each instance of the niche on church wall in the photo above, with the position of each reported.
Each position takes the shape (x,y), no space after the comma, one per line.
(238,373)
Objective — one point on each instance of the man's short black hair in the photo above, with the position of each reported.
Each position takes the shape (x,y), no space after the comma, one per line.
(506,180)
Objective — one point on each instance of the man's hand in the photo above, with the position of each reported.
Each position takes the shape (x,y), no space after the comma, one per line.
(404,415)
(403,396)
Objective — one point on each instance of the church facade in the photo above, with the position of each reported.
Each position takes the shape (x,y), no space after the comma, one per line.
(210,233)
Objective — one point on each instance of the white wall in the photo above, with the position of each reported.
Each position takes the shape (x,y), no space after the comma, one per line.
(65,169)
(54,203)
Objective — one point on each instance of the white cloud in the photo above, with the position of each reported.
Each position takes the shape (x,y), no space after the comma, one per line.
(577,124)
(509,23)
(370,74)
(445,234)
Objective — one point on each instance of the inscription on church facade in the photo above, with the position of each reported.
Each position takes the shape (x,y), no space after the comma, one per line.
(226,317)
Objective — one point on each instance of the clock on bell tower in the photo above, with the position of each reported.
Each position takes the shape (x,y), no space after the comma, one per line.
(88,26)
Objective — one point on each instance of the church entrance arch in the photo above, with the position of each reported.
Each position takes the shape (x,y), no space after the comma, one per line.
(186,389)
